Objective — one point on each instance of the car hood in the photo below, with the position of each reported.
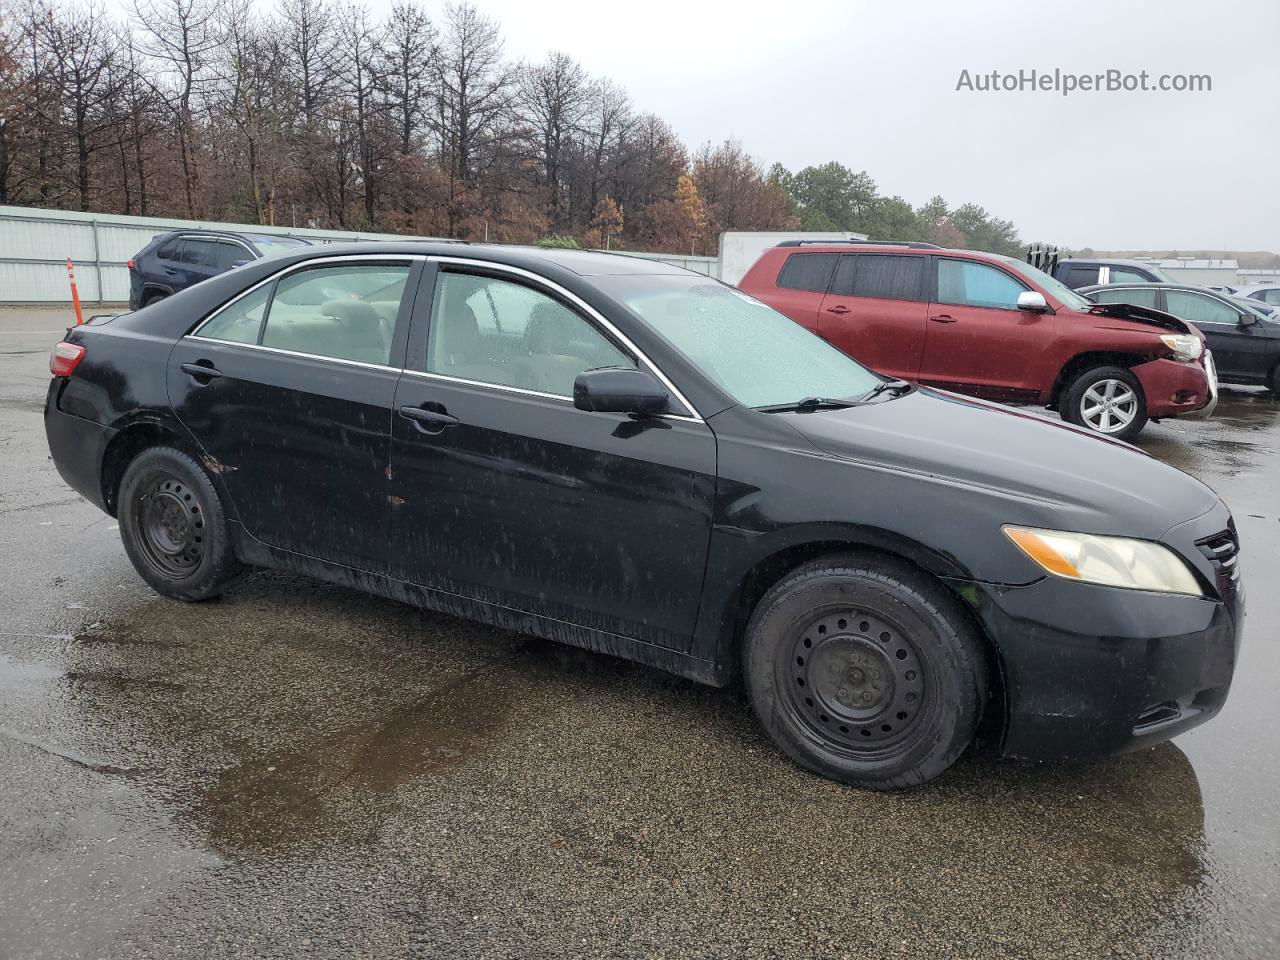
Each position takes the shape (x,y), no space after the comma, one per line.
(1055,472)
(1157,318)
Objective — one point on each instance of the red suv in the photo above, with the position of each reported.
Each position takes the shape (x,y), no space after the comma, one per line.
(991,326)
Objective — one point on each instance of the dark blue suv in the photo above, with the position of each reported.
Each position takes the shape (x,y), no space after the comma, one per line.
(174,261)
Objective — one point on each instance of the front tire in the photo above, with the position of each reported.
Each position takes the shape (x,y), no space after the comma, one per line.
(174,528)
(866,672)
(1106,400)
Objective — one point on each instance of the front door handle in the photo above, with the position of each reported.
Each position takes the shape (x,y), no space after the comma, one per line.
(201,371)
(838,308)
(428,420)
(943,318)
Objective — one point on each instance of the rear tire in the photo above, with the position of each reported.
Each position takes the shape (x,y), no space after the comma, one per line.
(1274,381)
(154,297)
(866,671)
(174,528)
(1105,400)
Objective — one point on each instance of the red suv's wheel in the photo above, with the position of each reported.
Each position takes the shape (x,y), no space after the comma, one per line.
(1106,400)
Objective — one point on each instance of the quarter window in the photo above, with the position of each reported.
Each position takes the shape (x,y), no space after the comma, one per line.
(1081,276)
(504,333)
(881,277)
(240,322)
(808,271)
(969,284)
(1194,308)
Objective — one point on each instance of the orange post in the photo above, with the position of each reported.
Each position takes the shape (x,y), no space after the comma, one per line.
(75,294)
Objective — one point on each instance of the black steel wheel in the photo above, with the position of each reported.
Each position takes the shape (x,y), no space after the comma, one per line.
(173,526)
(169,527)
(867,671)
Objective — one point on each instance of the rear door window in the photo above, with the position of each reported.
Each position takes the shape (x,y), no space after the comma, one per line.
(882,277)
(967,283)
(200,253)
(1135,296)
(808,271)
(225,253)
(347,312)
(1078,276)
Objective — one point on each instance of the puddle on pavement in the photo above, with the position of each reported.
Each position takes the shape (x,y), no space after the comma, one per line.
(278,799)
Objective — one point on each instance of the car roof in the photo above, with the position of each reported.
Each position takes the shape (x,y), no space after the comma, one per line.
(864,246)
(584,263)
(252,236)
(1132,285)
(1112,262)
(1255,287)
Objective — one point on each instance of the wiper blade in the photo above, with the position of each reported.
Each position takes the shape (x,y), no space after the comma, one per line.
(807,404)
(897,387)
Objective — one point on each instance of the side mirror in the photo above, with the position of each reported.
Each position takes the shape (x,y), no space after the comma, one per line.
(619,390)
(1033,302)
(1246,320)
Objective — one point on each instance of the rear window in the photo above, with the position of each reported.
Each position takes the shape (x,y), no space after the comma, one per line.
(265,242)
(808,271)
(880,276)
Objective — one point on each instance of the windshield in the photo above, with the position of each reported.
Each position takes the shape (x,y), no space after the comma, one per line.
(1256,307)
(1160,275)
(1055,288)
(758,356)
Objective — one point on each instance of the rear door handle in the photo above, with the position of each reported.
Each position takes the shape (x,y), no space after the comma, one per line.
(425,419)
(201,371)
(838,308)
(943,318)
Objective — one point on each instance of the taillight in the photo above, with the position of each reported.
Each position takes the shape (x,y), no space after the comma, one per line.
(129,263)
(65,358)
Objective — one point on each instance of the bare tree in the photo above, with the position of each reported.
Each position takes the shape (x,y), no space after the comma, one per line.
(472,97)
(180,34)
(554,97)
(361,43)
(311,43)
(409,51)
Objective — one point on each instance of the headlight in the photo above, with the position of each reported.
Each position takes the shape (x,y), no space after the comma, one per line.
(1183,345)
(1110,561)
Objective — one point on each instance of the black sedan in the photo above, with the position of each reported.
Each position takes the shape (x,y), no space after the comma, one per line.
(1243,334)
(638,460)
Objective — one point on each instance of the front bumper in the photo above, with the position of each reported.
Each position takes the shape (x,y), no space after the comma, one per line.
(1090,670)
(1175,388)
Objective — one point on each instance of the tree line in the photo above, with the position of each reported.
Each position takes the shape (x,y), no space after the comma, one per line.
(319,114)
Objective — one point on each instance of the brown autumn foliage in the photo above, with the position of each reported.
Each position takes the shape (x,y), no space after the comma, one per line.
(323,115)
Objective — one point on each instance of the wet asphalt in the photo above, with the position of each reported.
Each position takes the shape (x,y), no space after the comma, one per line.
(300,770)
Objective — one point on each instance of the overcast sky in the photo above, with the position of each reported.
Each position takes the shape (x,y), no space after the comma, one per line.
(873,86)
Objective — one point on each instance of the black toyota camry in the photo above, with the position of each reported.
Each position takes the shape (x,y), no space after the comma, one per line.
(628,457)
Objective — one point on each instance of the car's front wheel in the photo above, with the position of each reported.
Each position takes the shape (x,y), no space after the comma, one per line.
(1106,400)
(174,528)
(865,671)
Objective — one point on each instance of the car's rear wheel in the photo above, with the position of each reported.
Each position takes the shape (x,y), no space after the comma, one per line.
(174,528)
(154,296)
(865,671)
(1106,400)
(1274,381)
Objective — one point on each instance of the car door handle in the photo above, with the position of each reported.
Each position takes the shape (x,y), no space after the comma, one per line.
(426,419)
(200,370)
(943,318)
(838,308)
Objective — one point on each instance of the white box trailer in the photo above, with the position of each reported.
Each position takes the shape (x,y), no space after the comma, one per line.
(739,249)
